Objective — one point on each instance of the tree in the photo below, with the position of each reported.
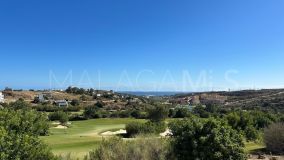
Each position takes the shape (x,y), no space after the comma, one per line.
(201,112)
(99,104)
(75,102)
(19,104)
(274,138)
(60,116)
(206,139)
(211,108)
(19,131)
(158,113)
(182,113)
(251,133)
(24,121)
(91,112)
(22,147)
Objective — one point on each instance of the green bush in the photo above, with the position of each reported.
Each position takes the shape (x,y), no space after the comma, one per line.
(91,112)
(181,113)
(135,128)
(75,102)
(251,133)
(210,139)
(158,113)
(60,116)
(139,149)
(138,128)
(19,131)
(19,104)
(24,121)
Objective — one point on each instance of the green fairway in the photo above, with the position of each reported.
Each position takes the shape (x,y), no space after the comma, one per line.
(253,146)
(82,136)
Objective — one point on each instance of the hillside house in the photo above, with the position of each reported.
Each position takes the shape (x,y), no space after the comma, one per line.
(2,98)
(41,98)
(61,103)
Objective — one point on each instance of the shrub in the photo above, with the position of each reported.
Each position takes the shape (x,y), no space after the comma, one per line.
(22,147)
(138,128)
(158,113)
(75,102)
(135,128)
(91,112)
(251,133)
(200,139)
(124,114)
(135,114)
(181,113)
(60,116)
(24,121)
(19,131)
(19,104)
(274,138)
(76,117)
(139,149)
(47,108)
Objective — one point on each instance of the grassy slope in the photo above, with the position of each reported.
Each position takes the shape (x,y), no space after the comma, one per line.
(82,136)
(252,147)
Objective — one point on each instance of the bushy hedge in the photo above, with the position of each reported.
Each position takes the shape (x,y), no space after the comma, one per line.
(19,132)
(60,116)
(137,128)
(139,149)
(24,121)
(206,139)
(52,108)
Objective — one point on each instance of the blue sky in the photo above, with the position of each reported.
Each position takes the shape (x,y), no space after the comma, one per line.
(160,45)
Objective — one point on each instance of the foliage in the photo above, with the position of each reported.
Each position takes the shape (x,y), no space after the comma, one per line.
(149,127)
(60,116)
(19,104)
(140,149)
(210,139)
(19,131)
(24,121)
(251,133)
(52,108)
(250,123)
(91,112)
(158,113)
(180,113)
(201,112)
(99,104)
(75,102)
(274,138)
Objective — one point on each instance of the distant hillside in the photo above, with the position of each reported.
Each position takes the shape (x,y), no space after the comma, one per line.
(265,99)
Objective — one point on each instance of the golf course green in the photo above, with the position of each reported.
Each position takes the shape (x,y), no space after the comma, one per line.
(82,136)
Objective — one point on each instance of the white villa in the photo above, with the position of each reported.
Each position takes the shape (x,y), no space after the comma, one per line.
(61,103)
(1,98)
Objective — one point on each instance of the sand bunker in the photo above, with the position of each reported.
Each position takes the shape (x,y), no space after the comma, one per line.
(166,133)
(109,133)
(61,127)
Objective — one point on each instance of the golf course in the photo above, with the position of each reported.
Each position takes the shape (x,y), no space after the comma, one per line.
(82,136)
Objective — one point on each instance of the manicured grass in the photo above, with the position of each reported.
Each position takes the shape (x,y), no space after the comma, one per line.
(253,146)
(82,136)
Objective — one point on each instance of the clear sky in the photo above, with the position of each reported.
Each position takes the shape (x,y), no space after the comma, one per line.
(142,44)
